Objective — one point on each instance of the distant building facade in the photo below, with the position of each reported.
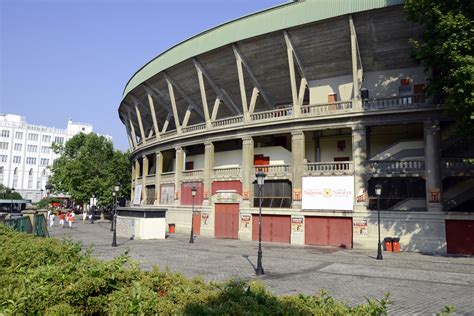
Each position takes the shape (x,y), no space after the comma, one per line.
(26,153)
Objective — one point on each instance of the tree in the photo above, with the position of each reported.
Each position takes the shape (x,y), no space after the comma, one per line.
(7,194)
(88,164)
(447,52)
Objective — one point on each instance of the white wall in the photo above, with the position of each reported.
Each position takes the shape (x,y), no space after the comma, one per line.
(278,155)
(381,84)
(329,149)
(384,136)
(228,159)
(198,161)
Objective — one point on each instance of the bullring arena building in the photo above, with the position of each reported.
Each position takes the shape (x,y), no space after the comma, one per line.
(325,98)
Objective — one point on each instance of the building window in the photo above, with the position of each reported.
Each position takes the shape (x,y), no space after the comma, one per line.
(44,173)
(30,161)
(1,175)
(395,191)
(33,137)
(276,194)
(16,159)
(18,135)
(45,149)
(30,179)
(3,158)
(32,148)
(59,140)
(38,184)
(44,162)
(5,133)
(3,145)
(46,138)
(18,147)
(15,177)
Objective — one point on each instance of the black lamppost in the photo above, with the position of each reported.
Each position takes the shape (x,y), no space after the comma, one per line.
(11,199)
(41,194)
(114,222)
(191,238)
(113,210)
(260,182)
(93,207)
(378,192)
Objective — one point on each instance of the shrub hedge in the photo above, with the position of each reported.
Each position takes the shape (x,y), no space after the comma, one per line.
(52,277)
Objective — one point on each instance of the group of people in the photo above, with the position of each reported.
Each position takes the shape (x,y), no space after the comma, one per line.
(65,219)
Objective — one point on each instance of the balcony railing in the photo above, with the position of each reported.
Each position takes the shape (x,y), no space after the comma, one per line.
(395,166)
(330,168)
(167,176)
(273,114)
(193,174)
(228,121)
(168,133)
(457,167)
(231,172)
(326,108)
(393,102)
(274,170)
(193,128)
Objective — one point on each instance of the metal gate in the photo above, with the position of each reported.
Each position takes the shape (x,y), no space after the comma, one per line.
(275,228)
(328,231)
(226,224)
(460,237)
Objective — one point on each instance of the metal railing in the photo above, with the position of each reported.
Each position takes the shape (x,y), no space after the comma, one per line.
(196,173)
(339,167)
(457,166)
(393,102)
(228,121)
(272,114)
(326,108)
(395,166)
(230,172)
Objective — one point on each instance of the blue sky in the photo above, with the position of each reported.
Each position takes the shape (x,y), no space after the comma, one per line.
(62,59)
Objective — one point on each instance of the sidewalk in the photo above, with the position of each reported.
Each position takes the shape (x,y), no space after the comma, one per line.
(417,283)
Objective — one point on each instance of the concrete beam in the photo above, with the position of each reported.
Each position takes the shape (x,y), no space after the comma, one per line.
(183,94)
(153,116)
(174,107)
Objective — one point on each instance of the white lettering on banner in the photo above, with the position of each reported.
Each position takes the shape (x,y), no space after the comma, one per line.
(328,193)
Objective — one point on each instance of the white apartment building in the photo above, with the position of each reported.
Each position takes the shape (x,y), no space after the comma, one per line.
(25,153)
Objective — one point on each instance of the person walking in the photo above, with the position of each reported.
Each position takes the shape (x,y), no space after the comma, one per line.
(61,219)
(70,219)
(51,218)
(84,215)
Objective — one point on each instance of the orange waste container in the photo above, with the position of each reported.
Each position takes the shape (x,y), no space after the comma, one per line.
(388,244)
(396,244)
(171,228)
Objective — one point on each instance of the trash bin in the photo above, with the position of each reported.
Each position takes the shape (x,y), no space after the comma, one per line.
(396,244)
(171,228)
(388,243)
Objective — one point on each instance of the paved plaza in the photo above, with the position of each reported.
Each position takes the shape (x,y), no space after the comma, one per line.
(417,283)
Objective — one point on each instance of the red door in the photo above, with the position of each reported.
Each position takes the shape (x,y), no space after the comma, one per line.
(275,228)
(197,223)
(226,224)
(460,237)
(328,231)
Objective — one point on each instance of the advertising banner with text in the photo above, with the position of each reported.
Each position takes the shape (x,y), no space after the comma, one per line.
(328,193)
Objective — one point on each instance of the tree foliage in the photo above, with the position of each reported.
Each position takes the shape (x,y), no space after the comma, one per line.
(89,164)
(6,193)
(447,52)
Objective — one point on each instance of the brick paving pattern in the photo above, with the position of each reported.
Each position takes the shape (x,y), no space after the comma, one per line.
(418,284)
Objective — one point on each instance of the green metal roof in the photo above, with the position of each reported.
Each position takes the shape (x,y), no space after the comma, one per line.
(277,18)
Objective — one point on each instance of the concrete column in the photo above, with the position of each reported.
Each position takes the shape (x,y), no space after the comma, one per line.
(137,175)
(179,160)
(132,187)
(208,165)
(159,171)
(432,166)
(248,171)
(359,157)
(298,154)
(145,173)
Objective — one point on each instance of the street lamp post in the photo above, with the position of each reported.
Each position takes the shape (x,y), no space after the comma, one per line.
(378,192)
(93,207)
(114,222)
(11,199)
(260,182)
(191,238)
(113,210)
(41,193)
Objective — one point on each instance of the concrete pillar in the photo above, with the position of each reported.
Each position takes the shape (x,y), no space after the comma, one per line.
(298,154)
(359,157)
(132,187)
(145,173)
(179,160)
(159,171)
(432,166)
(208,165)
(248,171)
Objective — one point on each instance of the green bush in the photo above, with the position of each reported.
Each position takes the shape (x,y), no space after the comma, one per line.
(52,277)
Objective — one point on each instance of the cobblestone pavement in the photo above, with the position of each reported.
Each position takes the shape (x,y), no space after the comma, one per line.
(418,284)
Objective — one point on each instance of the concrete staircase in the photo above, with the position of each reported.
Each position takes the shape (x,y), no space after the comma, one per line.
(458,194)
(402,150)
(410,205)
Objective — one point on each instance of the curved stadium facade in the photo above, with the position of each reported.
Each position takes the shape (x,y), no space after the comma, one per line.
(322,96)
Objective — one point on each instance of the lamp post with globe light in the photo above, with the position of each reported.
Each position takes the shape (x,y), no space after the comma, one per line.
(378,192)
(260,182)
(191,238)
(114,222)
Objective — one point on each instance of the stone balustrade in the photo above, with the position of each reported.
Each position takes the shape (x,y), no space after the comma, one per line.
(272,114)
(329,168)
(230,172)
(393,102)
(274,170)
(396,166)
(167,177)
(193,174)
(326,108)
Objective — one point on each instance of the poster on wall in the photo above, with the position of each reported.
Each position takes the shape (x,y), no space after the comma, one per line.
(328,193)
(138,195)
(167,194)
